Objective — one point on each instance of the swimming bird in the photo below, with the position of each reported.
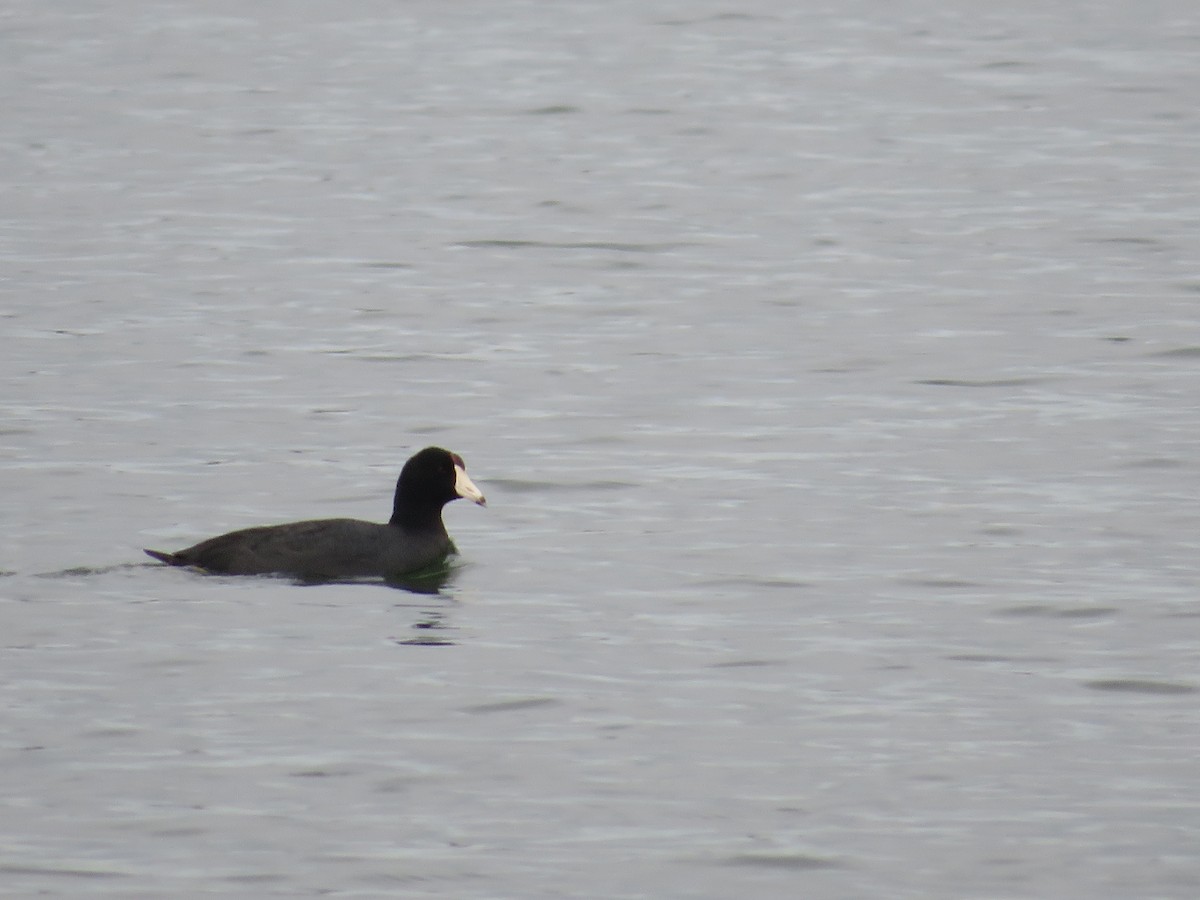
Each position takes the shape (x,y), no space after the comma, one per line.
(413,539)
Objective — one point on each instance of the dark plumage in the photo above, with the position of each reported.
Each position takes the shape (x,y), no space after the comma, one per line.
(413,539)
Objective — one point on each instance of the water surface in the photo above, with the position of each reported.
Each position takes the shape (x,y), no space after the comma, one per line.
(830,371)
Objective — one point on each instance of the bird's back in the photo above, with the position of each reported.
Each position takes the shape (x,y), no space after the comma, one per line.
(318,548)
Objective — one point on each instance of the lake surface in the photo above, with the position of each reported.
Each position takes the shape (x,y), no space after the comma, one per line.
(832,373)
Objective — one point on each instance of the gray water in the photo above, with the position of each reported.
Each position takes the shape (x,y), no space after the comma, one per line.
(831,370)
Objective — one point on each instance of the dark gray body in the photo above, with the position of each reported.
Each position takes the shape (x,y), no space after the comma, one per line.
(319,548)
(413,539)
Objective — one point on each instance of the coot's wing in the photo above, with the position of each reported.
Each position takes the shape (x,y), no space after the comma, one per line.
(319,548)
(315,547)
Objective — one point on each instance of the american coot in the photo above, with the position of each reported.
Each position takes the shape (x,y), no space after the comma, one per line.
(414,539)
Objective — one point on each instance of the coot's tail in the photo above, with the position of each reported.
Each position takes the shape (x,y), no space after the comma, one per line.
(171,559)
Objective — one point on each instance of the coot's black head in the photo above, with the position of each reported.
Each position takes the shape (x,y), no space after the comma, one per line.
(430,480)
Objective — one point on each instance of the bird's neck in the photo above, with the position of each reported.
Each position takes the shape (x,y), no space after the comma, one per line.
(416,517)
